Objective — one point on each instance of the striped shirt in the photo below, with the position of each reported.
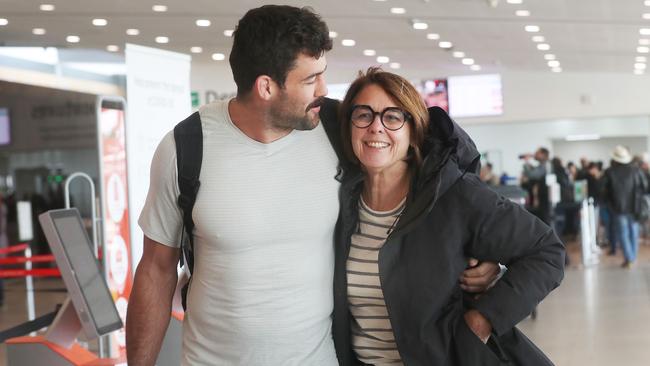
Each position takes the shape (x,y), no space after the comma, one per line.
(373,340)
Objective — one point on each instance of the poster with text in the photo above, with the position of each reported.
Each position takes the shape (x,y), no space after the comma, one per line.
(115,215)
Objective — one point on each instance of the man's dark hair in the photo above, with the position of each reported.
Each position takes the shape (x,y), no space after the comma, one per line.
(544,152)
(268,40)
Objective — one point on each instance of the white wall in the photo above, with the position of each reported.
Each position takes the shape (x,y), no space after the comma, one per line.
(512,139)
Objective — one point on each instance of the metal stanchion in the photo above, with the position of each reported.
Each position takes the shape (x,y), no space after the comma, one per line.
(588,234)
(29,287)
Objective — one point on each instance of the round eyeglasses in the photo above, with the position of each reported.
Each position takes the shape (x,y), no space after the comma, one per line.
(392,118)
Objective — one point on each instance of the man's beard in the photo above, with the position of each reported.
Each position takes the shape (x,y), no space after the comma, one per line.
(284,116)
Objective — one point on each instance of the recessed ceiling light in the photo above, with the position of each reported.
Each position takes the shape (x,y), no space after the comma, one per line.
(468,61)
(640,66)
(445,44)
(369,52)
(159,8)
(642,49)
(532,28)
(644,42)
(3,21)
(515,1)
(458,54)
(522,13)
(203,23)
(162,39)
(196,49)
(397,10)
(549,56)
(333,34)
(38,31)
(553,63)
(395,65)
(475,67)
(348,42)
(420,25)
(99,22)
(218,56)
(433,36)
(228,32)
(383,59)
(639,72)
(72,39)
(538,39)
(556,69)
(112,48)
(132,32)
(543,47)
(644,31)
(640,59)
(646,16)
(46,7)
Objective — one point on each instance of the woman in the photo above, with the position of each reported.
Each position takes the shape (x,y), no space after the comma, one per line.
(412,209)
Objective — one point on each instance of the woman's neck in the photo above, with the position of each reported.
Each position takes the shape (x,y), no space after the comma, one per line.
(383,191)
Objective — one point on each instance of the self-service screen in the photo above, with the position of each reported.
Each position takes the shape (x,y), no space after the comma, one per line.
(93,288)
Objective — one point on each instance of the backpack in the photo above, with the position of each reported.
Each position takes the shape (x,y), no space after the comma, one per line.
(188,136)
(641,198)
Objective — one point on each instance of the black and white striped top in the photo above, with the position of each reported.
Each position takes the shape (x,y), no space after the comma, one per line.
(372,334)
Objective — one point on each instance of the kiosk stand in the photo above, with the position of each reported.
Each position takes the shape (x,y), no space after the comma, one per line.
(89,308)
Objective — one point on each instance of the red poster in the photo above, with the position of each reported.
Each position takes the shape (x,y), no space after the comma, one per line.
(115,214)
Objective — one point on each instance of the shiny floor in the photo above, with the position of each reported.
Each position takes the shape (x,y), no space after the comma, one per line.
(599,316)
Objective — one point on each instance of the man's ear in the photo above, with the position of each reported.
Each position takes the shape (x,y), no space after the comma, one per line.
(265,87)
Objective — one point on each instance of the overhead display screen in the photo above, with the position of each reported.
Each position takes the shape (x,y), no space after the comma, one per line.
(475,95)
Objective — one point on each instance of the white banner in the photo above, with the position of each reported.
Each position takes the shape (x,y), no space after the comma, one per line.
(158,91)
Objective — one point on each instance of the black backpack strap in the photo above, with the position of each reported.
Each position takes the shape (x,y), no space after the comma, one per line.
(188,136)
(329,117)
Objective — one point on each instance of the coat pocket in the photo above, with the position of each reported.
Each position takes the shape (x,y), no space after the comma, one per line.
(469,350)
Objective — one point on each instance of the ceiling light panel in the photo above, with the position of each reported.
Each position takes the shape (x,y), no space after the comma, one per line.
(383,59)
(369,52)
(159,8)
(348,42)
(522,13)
(532,28)
(99,22)
(47,7)
(162,39)
(398,10)
(433,36)
(132,32)
(203,23)
(39,31)
(445,44)
(3,21)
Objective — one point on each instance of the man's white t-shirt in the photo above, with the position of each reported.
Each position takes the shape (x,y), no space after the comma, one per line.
(261,292)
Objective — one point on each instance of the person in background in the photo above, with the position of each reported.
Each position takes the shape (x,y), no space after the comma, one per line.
(487,175)
(533,180)
(412,181)
(622,183)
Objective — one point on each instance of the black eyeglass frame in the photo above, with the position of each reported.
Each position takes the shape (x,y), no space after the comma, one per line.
(407,116)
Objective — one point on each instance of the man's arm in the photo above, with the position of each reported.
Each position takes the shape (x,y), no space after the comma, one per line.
(478,276)
(150,302)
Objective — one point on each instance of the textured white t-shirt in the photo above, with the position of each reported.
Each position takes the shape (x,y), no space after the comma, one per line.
(261,293)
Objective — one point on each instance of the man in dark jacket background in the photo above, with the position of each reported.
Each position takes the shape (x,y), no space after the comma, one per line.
(623,185)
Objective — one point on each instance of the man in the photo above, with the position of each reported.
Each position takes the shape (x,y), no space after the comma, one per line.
(534,181)
(261,291)
(623,185)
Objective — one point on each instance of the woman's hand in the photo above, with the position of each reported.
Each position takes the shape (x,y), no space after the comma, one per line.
(478,277)
(478,324)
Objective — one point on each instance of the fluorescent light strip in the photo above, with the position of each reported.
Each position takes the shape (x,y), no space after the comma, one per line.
(585,137)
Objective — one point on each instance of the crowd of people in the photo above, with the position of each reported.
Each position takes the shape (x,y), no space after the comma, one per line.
(617,191)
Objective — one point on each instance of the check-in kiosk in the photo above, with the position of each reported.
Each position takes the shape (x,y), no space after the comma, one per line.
(89,308)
